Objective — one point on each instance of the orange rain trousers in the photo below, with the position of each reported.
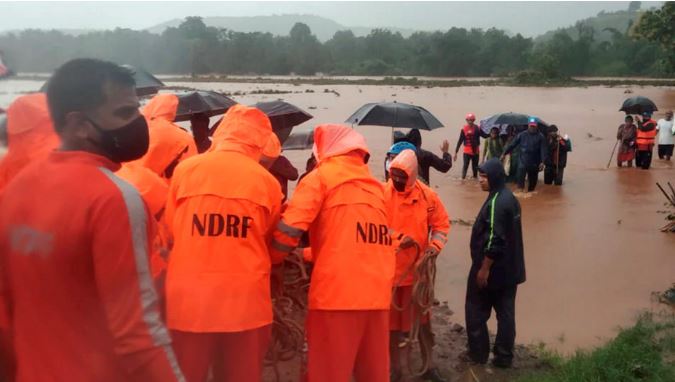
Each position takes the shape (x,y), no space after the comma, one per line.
(346,343)
(236,356)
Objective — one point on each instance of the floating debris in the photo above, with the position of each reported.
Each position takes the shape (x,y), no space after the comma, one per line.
(462,222)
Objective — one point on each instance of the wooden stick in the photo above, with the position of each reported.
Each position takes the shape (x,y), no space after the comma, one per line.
(672,190)
(612,156)
(665,194)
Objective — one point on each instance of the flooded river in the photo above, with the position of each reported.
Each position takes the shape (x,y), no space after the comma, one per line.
(592,247)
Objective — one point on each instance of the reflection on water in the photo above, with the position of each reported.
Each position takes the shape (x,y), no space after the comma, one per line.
(592,247)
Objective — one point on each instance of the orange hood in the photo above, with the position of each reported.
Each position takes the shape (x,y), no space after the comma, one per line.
(272,149)
(244,129)
(161,106)
(334,140)
(30,134)
(406,161)
(167,142)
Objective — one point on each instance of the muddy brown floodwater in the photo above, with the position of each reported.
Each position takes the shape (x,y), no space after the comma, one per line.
(592,247)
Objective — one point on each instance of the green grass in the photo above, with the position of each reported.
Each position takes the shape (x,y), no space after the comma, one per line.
(644,352)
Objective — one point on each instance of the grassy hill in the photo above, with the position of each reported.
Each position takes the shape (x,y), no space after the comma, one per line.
(279,25)
(621,21)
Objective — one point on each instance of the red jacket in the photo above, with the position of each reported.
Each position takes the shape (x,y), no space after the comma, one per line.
(74,241)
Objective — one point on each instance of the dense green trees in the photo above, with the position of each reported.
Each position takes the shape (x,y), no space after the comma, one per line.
(658,26)
(194,48)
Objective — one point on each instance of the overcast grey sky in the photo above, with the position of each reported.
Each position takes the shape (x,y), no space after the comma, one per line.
(528,18)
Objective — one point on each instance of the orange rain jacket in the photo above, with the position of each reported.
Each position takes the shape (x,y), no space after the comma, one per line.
(154,192)
(152,188)
(417,212)
(222,208)
(30,134)
(74,241)
(167,141)
(342,206)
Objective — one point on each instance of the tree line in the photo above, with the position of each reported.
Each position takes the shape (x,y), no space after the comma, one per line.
(194,48)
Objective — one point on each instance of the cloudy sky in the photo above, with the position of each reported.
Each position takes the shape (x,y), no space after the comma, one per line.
(528,18)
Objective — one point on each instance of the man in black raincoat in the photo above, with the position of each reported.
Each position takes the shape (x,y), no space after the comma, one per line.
(427,159)
(498,266)
(532,156)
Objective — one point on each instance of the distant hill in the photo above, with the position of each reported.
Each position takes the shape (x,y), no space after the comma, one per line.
(280,25)
(70,32)
(621,21)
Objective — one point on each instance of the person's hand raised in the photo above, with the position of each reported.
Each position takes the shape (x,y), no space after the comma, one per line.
(445,146)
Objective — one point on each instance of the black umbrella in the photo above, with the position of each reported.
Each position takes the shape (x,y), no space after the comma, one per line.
(638,105)
(299,140)
(202,102)
(394,114)
(503,120)
(283,114)
(146,83)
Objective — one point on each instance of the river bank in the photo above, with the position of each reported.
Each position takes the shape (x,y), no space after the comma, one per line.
(428,82)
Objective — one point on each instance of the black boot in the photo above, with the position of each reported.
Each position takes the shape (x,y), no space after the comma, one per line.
(433,375)
(395,375)
(501,364)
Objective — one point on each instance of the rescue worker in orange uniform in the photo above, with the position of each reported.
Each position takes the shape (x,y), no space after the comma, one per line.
(30,134)
(342,206)
(419,225)
(74,242)
(646,136)
(169,144)
(222,208)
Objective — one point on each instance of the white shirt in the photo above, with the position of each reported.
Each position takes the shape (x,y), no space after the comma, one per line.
(666,131)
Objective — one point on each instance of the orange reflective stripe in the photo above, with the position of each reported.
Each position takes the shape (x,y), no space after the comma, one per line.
(440,236)
(149,300)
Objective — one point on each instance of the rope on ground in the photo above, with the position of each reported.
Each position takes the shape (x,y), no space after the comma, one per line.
(422,300)
(405,275)
(288,303)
